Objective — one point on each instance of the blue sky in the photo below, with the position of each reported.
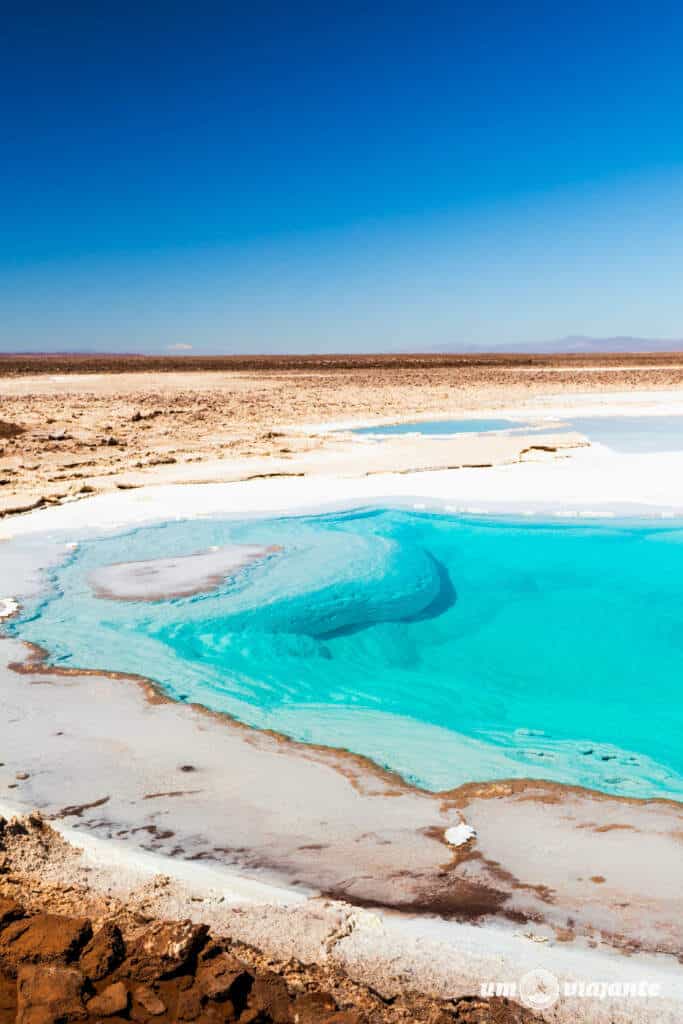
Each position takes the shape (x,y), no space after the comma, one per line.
(305,177)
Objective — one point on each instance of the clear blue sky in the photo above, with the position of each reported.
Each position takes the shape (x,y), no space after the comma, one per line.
(320,177)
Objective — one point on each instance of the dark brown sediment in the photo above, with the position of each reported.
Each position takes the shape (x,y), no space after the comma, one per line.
(65,363)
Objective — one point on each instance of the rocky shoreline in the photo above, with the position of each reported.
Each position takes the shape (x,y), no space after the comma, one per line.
(119,964)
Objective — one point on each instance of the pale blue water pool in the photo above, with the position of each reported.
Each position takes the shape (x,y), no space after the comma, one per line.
(624,434)
(441,427)
(448,649)
(631,435)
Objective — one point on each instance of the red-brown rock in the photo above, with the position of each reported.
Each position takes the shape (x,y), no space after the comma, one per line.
(189,1003)
(8,998)
(49,994)
(44,938)
(149,1000)
(9,911)
(111,1001)
(165,948)
(224,977)
(270,996)
(104,952)
(313,1007)
(345,1017)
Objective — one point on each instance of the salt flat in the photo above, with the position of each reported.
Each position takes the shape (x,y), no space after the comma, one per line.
(563,878)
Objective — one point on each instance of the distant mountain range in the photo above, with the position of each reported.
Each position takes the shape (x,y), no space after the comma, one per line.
(580,343)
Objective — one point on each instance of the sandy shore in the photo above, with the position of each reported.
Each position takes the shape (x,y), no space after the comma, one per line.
(565,879)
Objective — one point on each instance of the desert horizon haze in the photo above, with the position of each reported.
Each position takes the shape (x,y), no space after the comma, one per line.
(570,345)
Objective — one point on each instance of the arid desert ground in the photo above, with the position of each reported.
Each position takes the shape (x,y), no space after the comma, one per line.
(72,426)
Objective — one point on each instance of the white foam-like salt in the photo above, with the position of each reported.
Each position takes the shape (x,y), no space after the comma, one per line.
(458,835)
(8,606)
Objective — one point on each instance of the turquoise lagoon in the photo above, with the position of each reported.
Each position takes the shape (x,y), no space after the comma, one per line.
(448,649)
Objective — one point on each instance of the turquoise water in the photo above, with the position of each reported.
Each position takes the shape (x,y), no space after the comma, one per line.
(474,426)
(448,649)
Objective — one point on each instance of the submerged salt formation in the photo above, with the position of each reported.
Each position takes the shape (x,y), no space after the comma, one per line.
(351,583)
(166,578)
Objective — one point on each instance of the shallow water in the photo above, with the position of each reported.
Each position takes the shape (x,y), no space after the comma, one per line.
(448,649)
(441,427)
(628,435)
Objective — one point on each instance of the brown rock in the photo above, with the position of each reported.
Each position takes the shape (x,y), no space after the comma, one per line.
(43,938)
(252,1017)
(8,998)
(270,996)
(104,952)
(149,1000)
(189,1003)
(111,1001)
(165,948)
(9,911)
(224,977)
(216,1013)
(313,1007)
(10,429)
(49,994)
(345,1017)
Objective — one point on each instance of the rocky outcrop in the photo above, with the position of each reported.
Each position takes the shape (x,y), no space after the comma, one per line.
(53,970)
(104,952)
(44,938)
(47,993)
(112,1001)
(165,948)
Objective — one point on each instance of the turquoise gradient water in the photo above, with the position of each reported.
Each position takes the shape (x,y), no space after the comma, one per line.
(448,649)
